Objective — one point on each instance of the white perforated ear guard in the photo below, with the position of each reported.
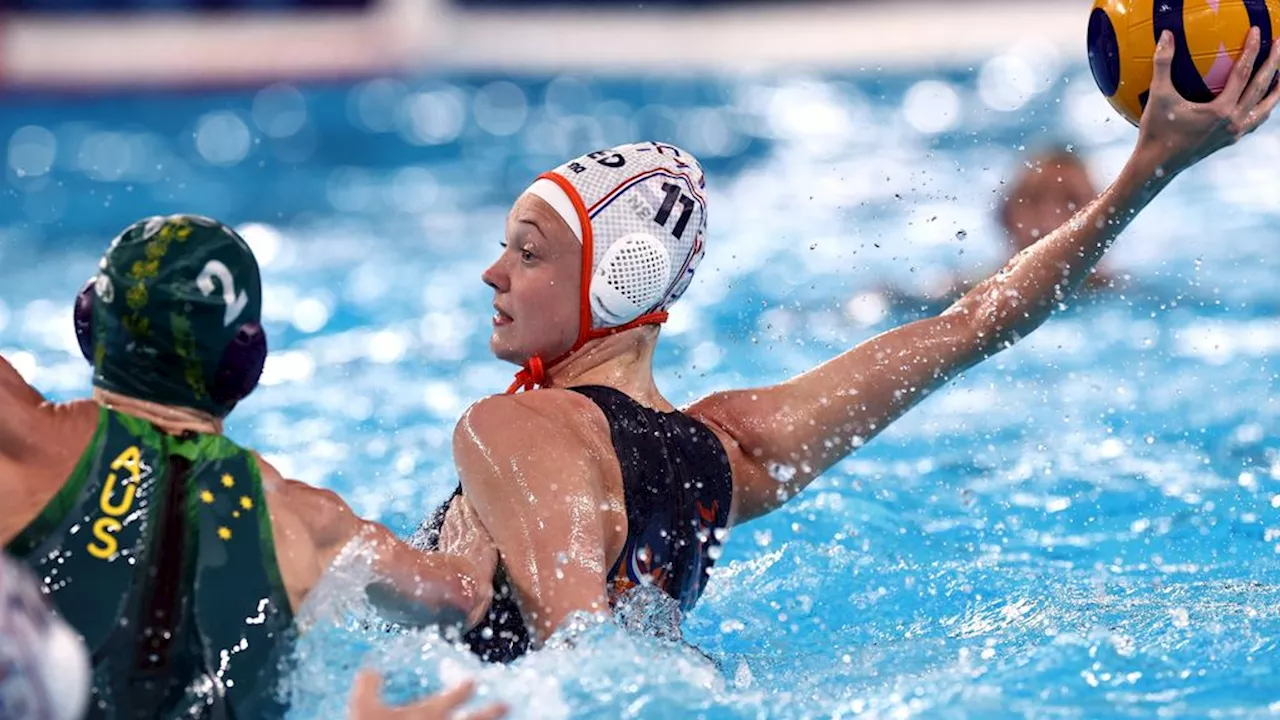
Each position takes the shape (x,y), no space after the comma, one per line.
(631,278)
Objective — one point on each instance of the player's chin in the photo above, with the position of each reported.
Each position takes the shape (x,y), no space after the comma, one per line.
(503,345)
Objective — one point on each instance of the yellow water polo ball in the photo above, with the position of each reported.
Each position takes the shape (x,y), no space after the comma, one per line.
(1209,36)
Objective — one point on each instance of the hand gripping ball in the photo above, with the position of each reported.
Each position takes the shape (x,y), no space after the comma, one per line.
(1209,36)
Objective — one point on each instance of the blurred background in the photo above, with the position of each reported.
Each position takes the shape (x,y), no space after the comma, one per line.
(332,130)
(88,41)
(276,110)
(1077,528)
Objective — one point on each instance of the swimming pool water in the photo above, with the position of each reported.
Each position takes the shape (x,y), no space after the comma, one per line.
(1084,526)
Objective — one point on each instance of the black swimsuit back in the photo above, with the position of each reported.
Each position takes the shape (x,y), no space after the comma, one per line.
(678,487)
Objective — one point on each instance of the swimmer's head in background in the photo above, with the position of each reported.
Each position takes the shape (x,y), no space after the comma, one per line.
(1049,187)
(173,315)
(640,213)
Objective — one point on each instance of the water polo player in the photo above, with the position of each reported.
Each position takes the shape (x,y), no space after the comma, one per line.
(592,482)
(179,555)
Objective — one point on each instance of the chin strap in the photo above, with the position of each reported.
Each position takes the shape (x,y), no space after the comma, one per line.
(534,372)
(532,375)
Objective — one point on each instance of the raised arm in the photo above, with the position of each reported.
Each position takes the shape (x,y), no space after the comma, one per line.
(535,485)
(792,432)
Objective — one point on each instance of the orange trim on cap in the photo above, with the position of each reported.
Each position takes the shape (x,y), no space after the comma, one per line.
(588,255)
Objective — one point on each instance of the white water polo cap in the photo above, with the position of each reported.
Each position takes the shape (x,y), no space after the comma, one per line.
(640,212)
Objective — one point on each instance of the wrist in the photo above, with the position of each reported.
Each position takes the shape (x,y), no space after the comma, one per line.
(1147,172)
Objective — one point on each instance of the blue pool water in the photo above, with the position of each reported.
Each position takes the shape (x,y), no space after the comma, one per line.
(1085,526)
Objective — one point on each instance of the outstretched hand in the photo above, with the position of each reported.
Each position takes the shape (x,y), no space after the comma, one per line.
(1181,133)
(366,703)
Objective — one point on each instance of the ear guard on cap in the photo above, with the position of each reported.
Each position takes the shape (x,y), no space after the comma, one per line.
(241,365)
(632,278)
(83,318)
(238,371)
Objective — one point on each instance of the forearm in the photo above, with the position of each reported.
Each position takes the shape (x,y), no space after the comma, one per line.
(418,588)
(877,383)
(1023,294)
(862,391)
(870,385)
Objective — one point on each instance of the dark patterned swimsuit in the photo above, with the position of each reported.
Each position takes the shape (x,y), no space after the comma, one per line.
(678,486)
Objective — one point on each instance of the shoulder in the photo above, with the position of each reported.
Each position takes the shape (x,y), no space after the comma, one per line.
(552,405)
(21,409)
(540,434)
(728,415)
(274,482)
(14,388)
(30,423)
(514,420)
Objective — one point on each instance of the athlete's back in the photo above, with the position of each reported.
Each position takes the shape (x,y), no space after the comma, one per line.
(158,551)
(179,555)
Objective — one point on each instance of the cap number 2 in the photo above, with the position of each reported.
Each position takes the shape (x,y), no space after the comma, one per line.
(214,269)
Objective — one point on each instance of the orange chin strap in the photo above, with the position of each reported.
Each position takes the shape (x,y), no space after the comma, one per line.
(534,372)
